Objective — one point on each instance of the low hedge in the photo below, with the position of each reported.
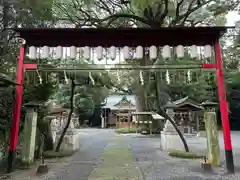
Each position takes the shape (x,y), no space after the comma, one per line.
(184,154)
(60,154)
(125,130)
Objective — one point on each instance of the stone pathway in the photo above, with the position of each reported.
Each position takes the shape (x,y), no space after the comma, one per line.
(117,162)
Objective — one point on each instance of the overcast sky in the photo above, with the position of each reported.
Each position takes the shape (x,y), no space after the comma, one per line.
(232,17)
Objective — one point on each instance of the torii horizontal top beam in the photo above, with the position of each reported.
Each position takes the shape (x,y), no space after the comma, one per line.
(120,37)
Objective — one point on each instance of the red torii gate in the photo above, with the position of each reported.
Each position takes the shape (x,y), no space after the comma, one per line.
(120,37)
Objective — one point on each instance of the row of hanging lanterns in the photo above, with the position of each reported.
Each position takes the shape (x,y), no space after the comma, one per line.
(112,52)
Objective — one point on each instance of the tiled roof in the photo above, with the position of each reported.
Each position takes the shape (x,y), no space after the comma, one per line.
(187,100)
(114,99)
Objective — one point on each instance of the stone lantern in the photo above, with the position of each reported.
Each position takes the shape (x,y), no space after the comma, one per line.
(170,109)
(209,106)
(169,136)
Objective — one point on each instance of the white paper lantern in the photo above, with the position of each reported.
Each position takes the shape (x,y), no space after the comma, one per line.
(32,52)
(45,53)
(112,52)
(194,53)
(99,52)
(166,52)
(126,52)
(153,52)
(139,52)
(207,51)
(87,52)
(180,51)
(59,52)
(73,52)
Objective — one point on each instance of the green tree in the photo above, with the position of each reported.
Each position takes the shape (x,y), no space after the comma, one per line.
(157,13)
(25,14)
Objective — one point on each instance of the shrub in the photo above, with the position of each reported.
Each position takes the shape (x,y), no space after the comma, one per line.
(60,154)
(125,130)
(184,154)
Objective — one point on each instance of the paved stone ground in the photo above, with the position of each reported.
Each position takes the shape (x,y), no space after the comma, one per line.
(104,155)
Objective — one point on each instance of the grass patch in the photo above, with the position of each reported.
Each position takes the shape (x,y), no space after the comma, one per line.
(184,154)
(60,154)
(116,162)
(125,130)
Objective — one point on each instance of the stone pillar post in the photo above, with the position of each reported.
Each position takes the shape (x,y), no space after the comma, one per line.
(212,133)
(29,139)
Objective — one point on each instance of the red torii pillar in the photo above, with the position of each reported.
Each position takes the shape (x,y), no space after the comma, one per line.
(223,106)
(17,106)
(224,109)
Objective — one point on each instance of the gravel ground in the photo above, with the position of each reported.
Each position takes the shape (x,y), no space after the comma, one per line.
(99,153)
(81,164)
(78,167)
(157,165)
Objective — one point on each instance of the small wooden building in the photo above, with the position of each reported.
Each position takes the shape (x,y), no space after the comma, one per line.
(188,115)
(117,109)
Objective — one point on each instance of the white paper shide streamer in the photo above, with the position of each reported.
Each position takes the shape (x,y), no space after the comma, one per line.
(91,78)
(141,77)
(65,77)
(118,77)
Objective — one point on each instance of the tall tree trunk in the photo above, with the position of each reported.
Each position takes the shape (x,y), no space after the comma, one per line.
(165,115)
(69,116)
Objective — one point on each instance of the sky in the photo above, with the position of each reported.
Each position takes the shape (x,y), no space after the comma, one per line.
(232,17)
